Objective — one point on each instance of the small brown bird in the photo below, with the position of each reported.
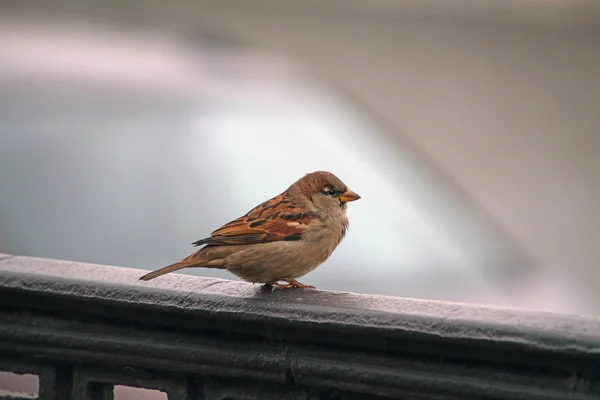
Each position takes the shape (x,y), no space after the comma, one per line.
(281,239)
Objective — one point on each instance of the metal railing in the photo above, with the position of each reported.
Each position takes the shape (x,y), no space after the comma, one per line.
(84,328)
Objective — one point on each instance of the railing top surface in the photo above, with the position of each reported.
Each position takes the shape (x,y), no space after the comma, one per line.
(387,316)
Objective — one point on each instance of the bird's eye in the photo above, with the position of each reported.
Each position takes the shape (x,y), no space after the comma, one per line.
(330,192)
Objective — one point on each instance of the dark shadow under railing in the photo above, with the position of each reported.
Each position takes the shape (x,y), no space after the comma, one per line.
(83,328)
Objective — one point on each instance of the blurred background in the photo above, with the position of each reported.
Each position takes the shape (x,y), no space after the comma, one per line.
(129,129)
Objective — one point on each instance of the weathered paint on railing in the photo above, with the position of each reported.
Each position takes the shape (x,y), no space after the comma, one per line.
(84,328)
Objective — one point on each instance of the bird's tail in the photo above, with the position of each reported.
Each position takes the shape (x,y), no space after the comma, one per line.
(177,266)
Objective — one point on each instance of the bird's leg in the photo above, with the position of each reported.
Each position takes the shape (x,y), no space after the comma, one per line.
(273,285)
(292,283)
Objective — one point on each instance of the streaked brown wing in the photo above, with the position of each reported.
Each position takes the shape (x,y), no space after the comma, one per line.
(274,220)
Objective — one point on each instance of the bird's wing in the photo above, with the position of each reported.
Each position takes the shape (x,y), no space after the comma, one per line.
(274,220)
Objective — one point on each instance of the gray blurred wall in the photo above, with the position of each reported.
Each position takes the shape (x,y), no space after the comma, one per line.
(507,107)
(502,99)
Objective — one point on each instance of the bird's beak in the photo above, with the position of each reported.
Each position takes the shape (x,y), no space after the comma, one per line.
(348,196)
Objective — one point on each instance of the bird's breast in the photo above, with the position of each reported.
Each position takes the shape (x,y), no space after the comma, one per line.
(328,234)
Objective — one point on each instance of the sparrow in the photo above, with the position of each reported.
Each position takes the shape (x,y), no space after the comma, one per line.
(280,240)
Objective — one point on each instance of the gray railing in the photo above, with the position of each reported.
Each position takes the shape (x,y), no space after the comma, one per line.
(84,328)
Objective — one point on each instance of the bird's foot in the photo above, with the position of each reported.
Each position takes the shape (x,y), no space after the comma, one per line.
(292,283)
